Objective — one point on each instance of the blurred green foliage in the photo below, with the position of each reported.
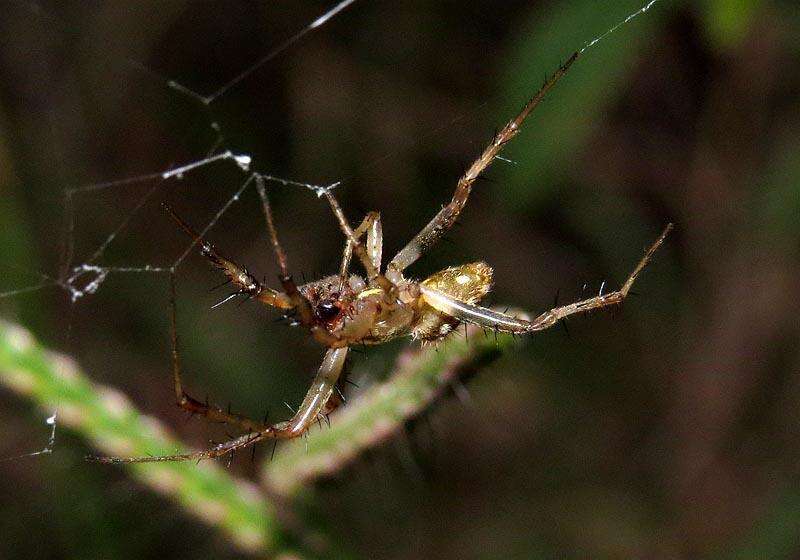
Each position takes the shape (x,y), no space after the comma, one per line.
(562,125)
(728,21)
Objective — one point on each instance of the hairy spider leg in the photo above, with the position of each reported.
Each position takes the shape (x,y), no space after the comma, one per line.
(371,225)
(184,399)
(312,406)
(445,218)
(299,302)
(506,323)
(290,299)
(238,275)
(373,272)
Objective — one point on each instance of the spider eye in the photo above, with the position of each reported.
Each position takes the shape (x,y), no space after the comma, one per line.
(326,310)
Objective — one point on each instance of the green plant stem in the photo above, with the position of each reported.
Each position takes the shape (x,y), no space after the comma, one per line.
(421,378)
(254,522)
(108,419)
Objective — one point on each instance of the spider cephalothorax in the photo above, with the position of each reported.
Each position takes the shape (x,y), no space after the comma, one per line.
(343,310)
(332,300)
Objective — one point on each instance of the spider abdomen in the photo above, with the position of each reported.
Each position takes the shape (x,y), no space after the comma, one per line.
(468,283)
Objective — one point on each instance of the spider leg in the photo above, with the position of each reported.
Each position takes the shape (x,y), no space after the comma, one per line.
(373,272)
(313,404)
(184,399)
(297,300)
(238,275)
(445,218)
(371,225)
(506,323)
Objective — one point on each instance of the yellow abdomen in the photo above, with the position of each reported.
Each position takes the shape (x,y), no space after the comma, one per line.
(468,283)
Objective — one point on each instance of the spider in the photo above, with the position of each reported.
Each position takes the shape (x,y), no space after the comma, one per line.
(347,309)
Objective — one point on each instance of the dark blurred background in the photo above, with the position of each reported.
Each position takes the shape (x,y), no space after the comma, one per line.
(670,429)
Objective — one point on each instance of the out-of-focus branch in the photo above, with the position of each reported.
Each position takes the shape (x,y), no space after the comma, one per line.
(421,378)
(250,518)
(109,420)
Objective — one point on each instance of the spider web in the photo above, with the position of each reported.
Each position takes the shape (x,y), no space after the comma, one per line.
(86,277)
(82,273)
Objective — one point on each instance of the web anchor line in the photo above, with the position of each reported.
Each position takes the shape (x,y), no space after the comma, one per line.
(34,7)
(276,51)
(46,450)
(612,29)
